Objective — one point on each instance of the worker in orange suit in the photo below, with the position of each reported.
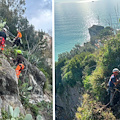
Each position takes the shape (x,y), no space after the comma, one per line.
(18,70)
(17,38)
(20,65)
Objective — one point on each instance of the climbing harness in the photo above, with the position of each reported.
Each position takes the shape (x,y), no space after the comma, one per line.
(21,67)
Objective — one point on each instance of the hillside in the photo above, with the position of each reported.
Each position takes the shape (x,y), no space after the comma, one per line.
(82,76)
(30,97)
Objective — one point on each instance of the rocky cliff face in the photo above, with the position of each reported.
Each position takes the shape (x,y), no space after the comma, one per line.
(37,80)
(94,31)
(9,91)
(67,103)
(36,77)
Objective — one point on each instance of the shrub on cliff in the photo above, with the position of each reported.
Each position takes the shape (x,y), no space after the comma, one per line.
(92,110)
(107,58)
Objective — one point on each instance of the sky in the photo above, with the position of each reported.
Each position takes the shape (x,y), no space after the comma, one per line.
(39,14)
(77,1)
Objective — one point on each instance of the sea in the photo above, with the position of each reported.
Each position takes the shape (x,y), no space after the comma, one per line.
(74,17)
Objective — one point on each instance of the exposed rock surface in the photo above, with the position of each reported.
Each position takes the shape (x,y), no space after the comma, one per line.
(94,31)
(9,91)
(9,94)
(36,79)
(67,103)
(36,76)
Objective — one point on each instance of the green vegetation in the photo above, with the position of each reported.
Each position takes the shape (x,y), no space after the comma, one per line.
(91,68)
(91,110)
(34,47)
(14,114)
(42,107)
(35,50)
(73,70)
(108,31)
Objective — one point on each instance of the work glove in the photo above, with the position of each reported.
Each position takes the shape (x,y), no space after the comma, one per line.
(21,41)
(14,40)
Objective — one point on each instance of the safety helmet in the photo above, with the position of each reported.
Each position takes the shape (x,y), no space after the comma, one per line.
(115,70)
(17,29)
(19,51)
(5,29)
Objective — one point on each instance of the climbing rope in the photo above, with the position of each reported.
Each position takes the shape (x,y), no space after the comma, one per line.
(10,34)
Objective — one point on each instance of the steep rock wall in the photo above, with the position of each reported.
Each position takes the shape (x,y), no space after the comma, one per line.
(9,93)
(67,103)
(94,32)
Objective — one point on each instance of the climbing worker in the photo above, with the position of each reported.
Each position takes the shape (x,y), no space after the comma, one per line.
(17,38)
(2,38)
(19,62)
(113,81)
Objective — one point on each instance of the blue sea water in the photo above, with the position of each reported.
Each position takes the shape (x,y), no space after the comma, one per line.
(74,17)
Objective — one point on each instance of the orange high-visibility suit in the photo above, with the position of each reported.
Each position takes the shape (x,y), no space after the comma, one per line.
(18,69)
(19,35)
(17,39)
(20,66)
